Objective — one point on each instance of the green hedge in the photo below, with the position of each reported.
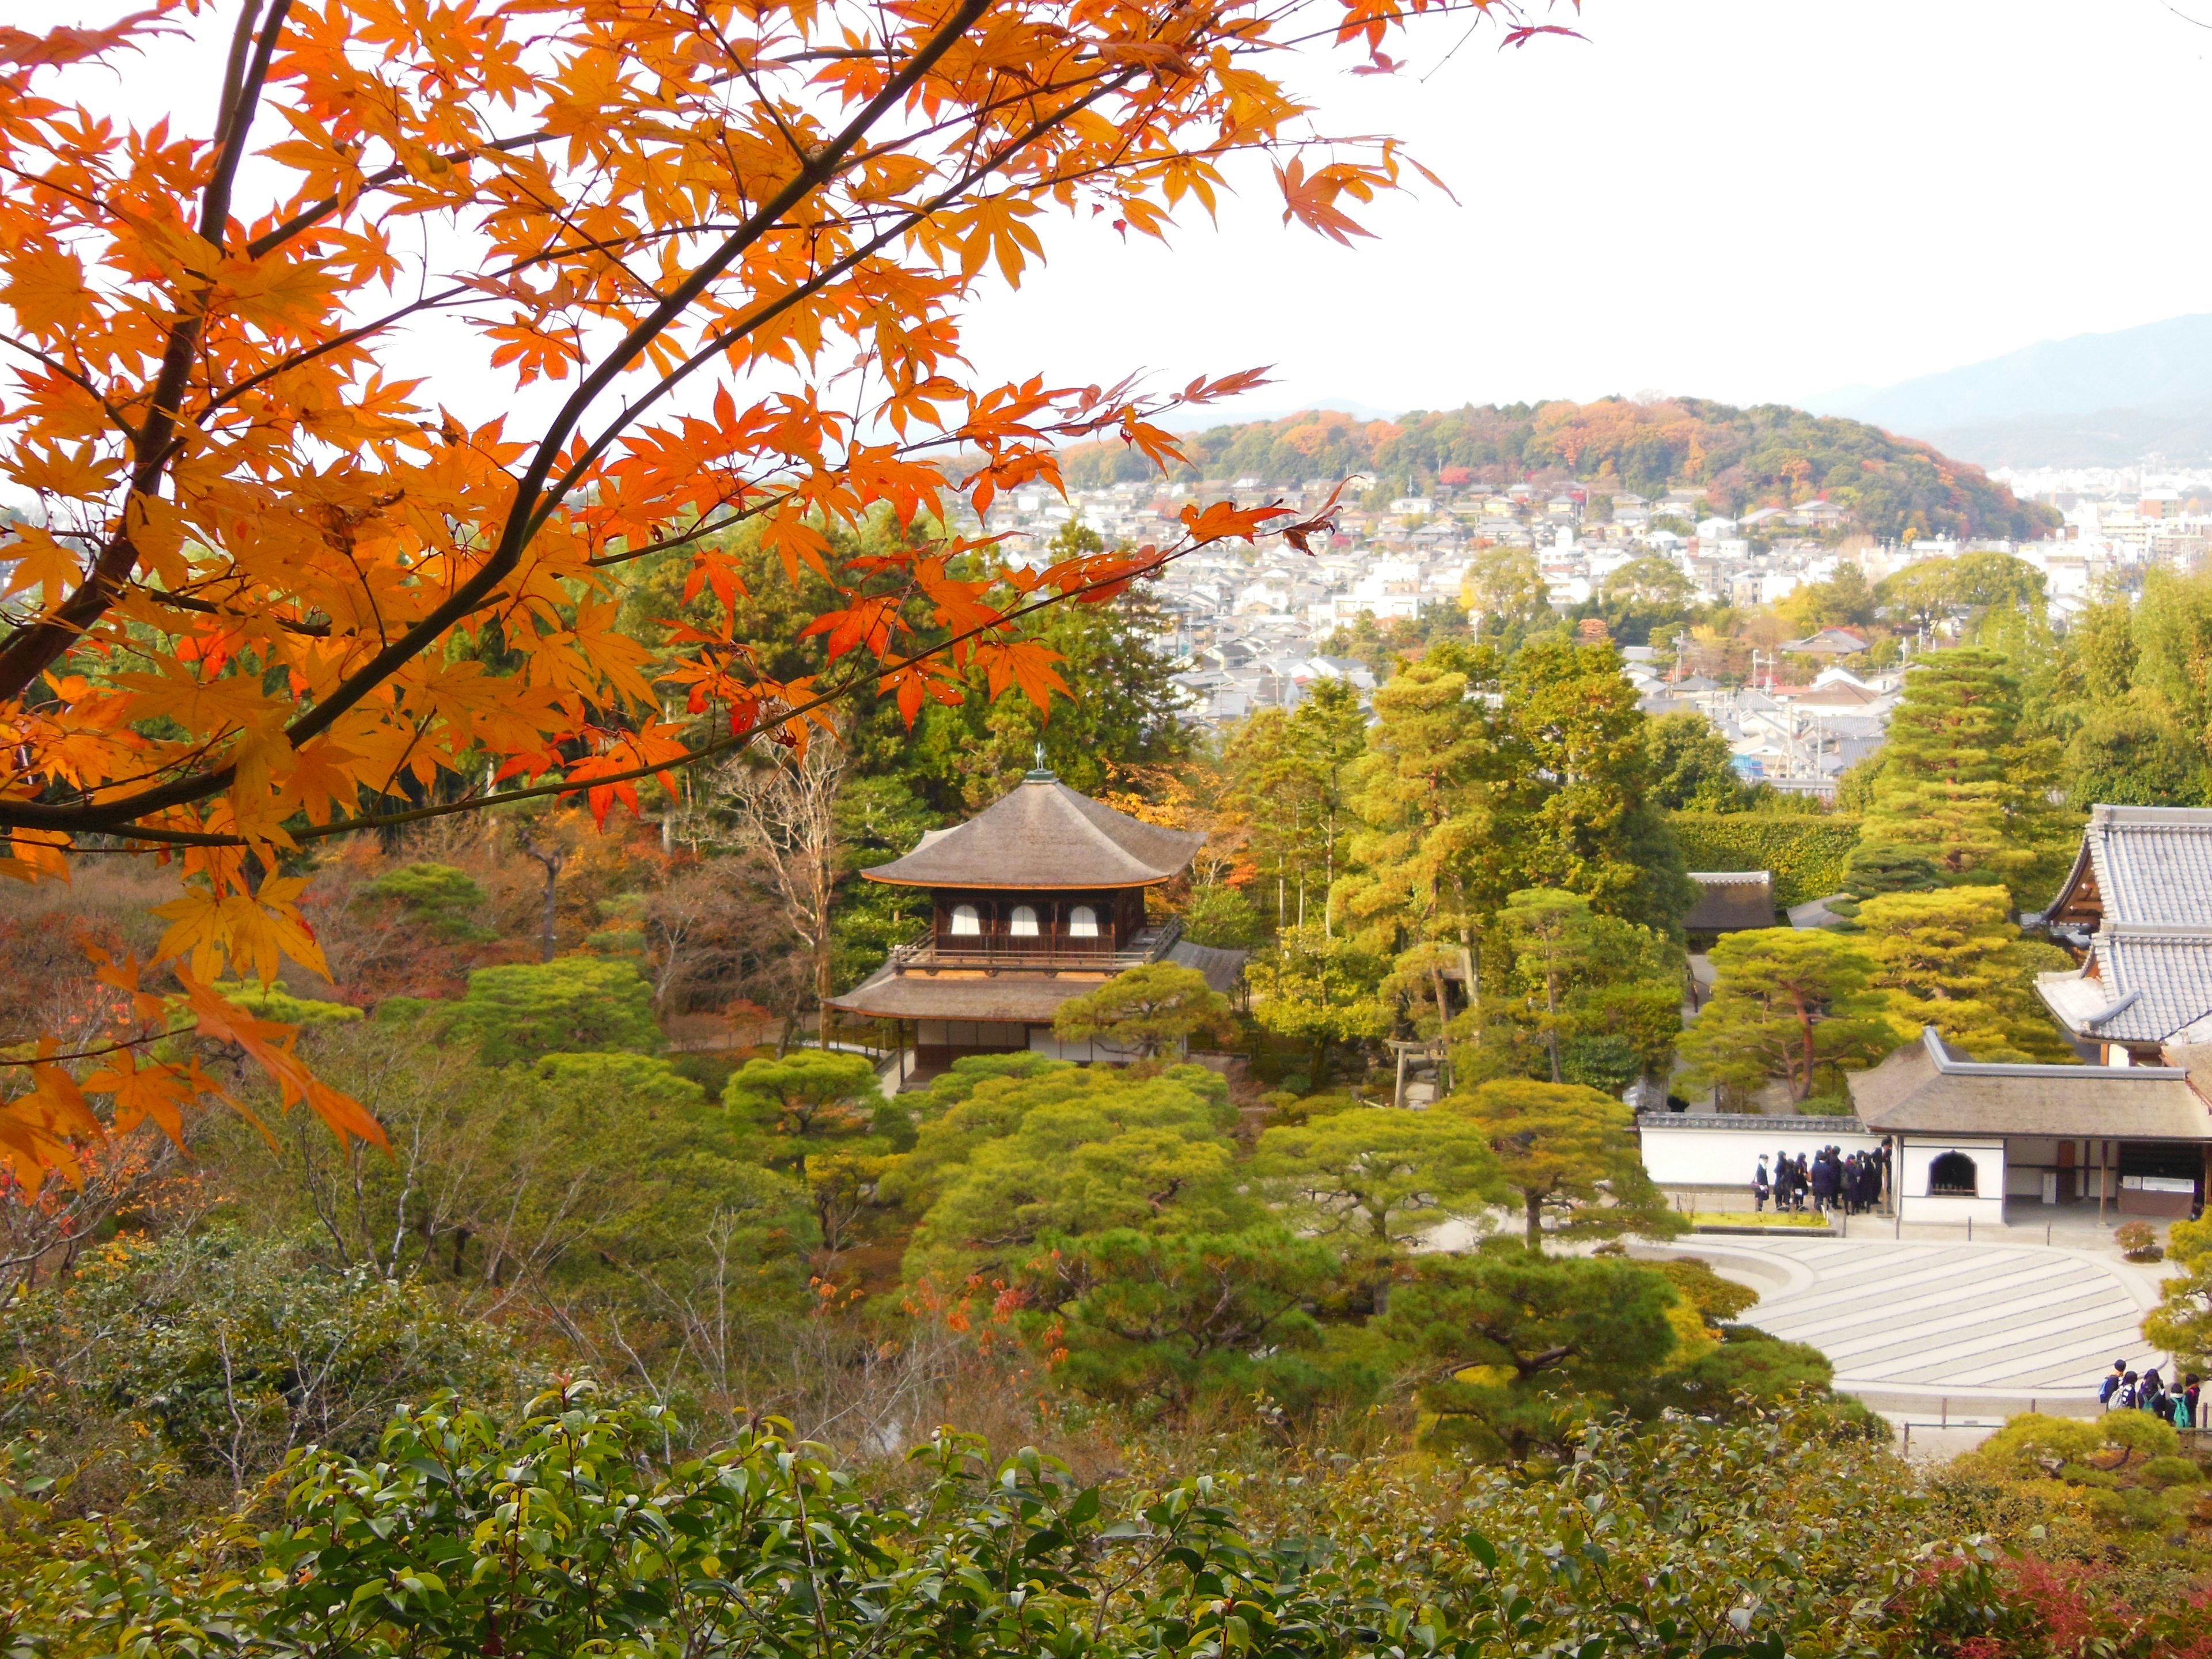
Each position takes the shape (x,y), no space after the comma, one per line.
(1807,854)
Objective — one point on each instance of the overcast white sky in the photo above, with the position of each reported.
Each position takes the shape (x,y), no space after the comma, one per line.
(1745,199)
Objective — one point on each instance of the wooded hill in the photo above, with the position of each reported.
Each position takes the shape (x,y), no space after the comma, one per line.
(1770,455)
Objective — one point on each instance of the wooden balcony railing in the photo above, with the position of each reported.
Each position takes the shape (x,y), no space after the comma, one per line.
(1148,945)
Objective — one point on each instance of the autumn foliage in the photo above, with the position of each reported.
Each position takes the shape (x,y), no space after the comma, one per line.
(283,577)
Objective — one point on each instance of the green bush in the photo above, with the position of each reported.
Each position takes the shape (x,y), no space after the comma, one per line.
(572,1004)
(568,1532)
(1807,855)
(1223,918)
(236,1353)
(2174,1471)
(274,1001)
(444,898)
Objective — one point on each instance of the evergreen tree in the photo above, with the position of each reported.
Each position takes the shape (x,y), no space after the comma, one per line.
(1147,1011)
(1512,1338)
(821,1114)
(1961,784)
(2183,1323)
(1440,798)
(1953,959)
(1596,831)
(572,1004)
(1320,991)
(1290,785)
(1691,767)
(1374,1179)
(1079,1153)
(1790,1001)
(1577,996)
(1568,1154)
(1143,1318)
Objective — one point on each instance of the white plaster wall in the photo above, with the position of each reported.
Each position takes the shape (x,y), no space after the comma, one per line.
(1990,1212)
(1919,1204)
(1691,1155)
(1042,1042)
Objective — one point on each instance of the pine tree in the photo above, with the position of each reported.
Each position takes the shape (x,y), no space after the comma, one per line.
(1953,959)
(1572,988)
(1596,831)
(1961,784)
(1791,1002)
(1441,794)
(1569,1154)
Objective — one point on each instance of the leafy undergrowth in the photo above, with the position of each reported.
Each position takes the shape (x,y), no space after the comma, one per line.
(564,1530)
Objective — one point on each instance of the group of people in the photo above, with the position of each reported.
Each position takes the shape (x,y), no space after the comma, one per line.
(1830,1178)
(2125,1391)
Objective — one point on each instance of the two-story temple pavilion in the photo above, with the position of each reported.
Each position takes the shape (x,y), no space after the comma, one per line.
(1038,898)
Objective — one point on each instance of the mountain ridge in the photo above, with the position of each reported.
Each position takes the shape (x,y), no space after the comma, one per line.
(2150,366)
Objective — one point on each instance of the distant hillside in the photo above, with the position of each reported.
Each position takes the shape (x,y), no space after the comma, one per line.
(1770,455)
(2180,433)
(2162,363)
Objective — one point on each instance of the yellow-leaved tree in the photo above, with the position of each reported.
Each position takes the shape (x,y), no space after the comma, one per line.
(277,575)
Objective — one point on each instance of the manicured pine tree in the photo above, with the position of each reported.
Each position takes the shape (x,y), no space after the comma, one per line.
(1961,784)
(1791,1002)
(1568,1154)
(1953,959)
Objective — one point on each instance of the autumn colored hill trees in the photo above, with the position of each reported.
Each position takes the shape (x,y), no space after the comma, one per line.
(1739,457)
(274,586)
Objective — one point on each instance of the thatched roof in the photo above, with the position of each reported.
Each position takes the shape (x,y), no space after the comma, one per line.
(1731,901)
(1923,1089)
(1044,835)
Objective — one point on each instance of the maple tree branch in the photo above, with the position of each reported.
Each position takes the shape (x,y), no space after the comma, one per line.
(186,602)
(32,649)
(719,343)
(844,689)
(107,1049)
(507,554)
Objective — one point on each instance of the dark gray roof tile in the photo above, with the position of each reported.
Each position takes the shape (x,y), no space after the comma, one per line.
(1045,835)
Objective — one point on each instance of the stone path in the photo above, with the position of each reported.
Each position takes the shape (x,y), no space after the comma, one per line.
(1990,1328)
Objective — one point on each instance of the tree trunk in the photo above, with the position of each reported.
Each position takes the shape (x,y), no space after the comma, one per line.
(1552,1030)
(1534,1202)
(551,859)
(545,930)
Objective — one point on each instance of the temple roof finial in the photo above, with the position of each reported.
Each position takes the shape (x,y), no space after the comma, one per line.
(1040,773)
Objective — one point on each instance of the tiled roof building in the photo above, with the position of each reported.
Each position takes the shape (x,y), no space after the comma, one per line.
(2139,901)
(1038,898)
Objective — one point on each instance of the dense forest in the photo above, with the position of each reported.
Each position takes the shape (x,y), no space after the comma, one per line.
(1741,458)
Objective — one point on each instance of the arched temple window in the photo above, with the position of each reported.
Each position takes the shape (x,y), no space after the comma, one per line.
(1083,922)
(1023,922)
(1952,1175)
(966,922)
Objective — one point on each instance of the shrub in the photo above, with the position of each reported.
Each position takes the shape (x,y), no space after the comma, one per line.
(1807,855)
(2175,1471)
(273,1001)
(573,1005)
(1223,918)
(2138,1241)
(237,1353)
(568,1532)
(437,895)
